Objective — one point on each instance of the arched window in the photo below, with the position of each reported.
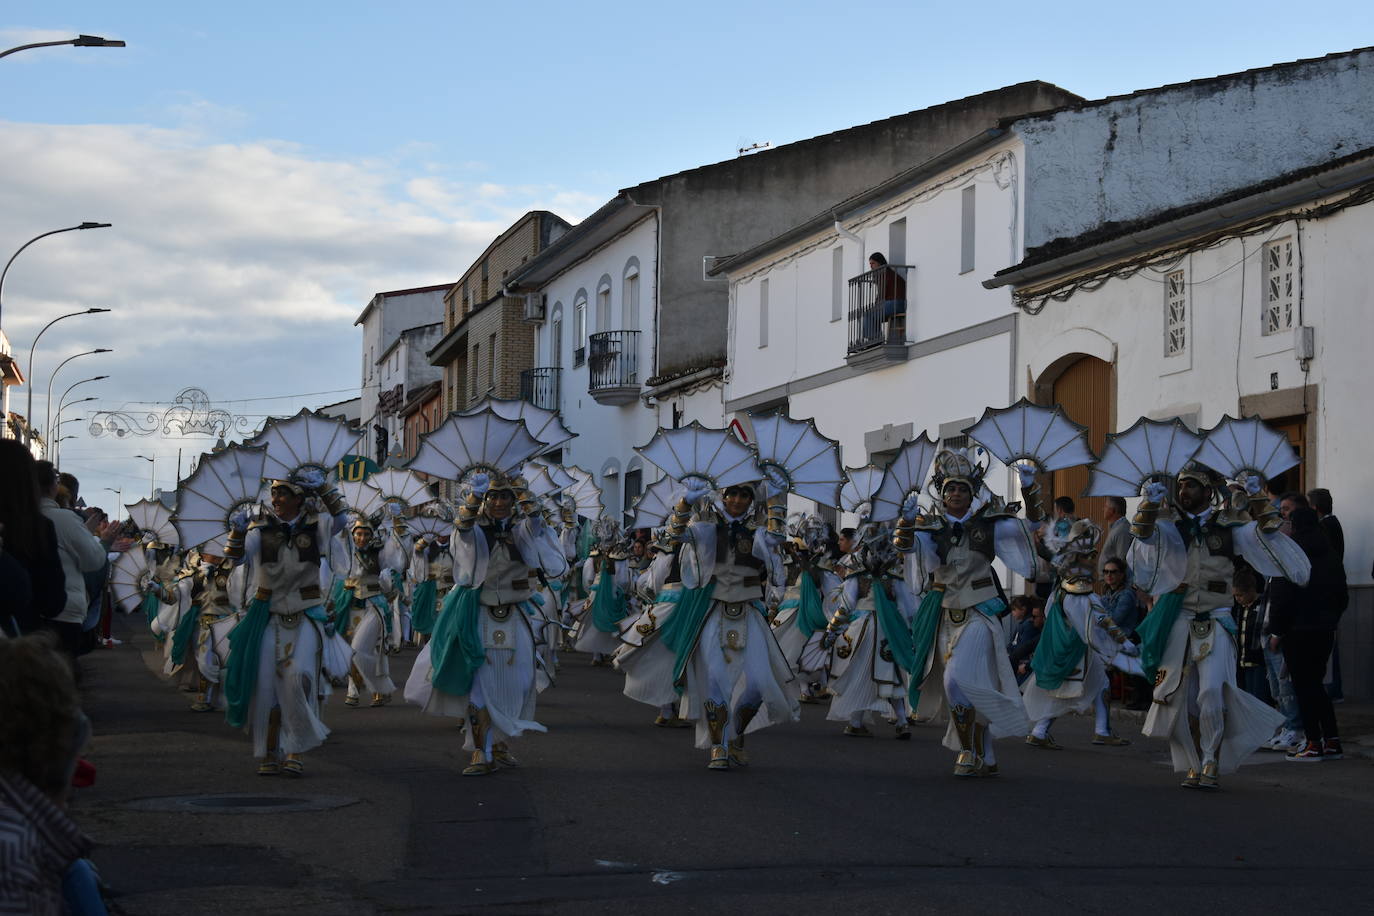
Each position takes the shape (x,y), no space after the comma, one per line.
(629,298)
(579,329)
(603,303)
(556,335)
(610,487)
(633,486)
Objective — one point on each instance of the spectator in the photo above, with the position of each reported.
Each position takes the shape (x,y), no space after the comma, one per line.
(1304,619)
(1118,597)
(846,540)
(1248,611)
(30,540)
(81,553)
(1026,641)
(1320,500)
(1117,542)
(891,296)
(42,730)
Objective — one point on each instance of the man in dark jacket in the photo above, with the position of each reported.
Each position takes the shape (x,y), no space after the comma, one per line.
(1304,618)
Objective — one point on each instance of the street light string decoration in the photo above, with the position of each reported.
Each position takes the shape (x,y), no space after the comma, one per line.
(191,414)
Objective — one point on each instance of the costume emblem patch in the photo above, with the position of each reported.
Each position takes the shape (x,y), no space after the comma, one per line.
(302,541)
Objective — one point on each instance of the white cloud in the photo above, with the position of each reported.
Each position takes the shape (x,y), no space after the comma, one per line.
(237,267)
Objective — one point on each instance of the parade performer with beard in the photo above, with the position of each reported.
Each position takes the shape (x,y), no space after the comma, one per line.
(480,663)
(284,647)
(1187,558)
(960,661)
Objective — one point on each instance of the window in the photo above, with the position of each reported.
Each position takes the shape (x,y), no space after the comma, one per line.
(629,299)
(580,329)
(837,283)
(634,486)
(472,371)
(966,230)
(763,313)
(1175,313)
(896,242)
(603,304)
(556,336)
(491,361)
(1278,285)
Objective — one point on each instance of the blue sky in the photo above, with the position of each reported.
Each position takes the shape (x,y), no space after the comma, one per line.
(269,166)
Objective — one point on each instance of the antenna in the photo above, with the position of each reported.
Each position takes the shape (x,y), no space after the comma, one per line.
(755,147)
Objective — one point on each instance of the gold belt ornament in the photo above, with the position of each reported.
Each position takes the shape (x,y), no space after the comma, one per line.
(290,621)
(957,615)
(733,611)
(500,612)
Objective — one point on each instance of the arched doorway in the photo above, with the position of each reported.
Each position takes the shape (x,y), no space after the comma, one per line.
(1085,387)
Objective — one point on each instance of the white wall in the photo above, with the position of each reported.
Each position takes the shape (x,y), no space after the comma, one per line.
(385,321)
(604,433)
(1229,357)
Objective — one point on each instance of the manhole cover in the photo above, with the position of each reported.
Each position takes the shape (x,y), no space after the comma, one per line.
(241,804)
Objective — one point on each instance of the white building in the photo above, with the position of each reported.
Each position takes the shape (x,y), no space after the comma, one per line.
(806,332)
(403,368)
(383,320)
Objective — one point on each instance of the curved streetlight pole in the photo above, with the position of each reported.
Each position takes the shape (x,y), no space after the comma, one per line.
(56,435)
(47,421)
(152,480)
(86,225)
(119,500)
(80,41)
(28,411)
(62,400)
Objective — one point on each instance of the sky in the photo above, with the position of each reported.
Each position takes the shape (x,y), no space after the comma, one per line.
(268,167)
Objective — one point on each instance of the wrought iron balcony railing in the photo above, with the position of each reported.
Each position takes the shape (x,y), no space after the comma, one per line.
(613,366)
(878,308)
(540,386)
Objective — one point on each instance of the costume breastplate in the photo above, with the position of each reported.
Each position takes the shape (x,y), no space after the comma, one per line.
(1211,564)
(508,578)
(977,534)
(210,590)
(364,573)
(441,567)
(288,566)
(967,576)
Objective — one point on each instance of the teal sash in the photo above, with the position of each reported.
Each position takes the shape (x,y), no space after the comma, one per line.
(1061,651)
(609,606)
(422,605)
(810,607)
(456,647)
(894,627)
(150,608)
(924,626)
(680,632)
(1154,632)
(181,637)
(241,669)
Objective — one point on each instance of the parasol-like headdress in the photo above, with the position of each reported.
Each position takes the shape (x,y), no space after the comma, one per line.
(223,484)
(544,425)
(154,520)
(1030,432)
(859,486)
(401,491)
(1238,448)
(584,493)
(1149,450)
(656,503)
(129,577)
(476,443)
(713,456)
(305,448)
(796,458)
(906,475)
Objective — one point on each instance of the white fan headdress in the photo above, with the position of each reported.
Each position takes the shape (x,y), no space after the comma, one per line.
(1238,448)
(557,473)
(154,520)
(656,503)
(222,485)
(363,499)
(429,526)
(477,443)
(584,493)
(129,577)
(544,425)
(906,475)
(796,458)
(712,456)
(1149,450)
(860,484)
(1029,432)
(305,449)
(401,491)
(539,481)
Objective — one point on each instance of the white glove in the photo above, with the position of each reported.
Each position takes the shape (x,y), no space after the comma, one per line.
(911,507)
(1027,474)
(1252,484)
(696,490)
(480,484)
(239,520)
(1155,492)
(313,478)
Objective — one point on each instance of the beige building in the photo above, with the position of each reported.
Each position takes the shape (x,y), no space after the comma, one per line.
(487,343)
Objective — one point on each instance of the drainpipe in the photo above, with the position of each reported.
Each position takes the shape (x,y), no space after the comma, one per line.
(845,233)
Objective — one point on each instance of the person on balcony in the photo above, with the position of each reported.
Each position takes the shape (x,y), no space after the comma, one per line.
(890,308)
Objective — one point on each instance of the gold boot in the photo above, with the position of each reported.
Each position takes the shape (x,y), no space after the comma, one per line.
(269,765)
(743,716)
(980,737)
(293,766)
(380,699)
(479,722)
(1207,779)
(1191,780)
(202,703)
(968,763)
(501,755)
(716,718)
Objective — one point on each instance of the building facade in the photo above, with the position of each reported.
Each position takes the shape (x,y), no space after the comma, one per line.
(384,319)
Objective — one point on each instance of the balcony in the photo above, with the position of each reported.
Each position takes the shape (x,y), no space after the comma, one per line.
(878,316)
(540,386)
(613,367)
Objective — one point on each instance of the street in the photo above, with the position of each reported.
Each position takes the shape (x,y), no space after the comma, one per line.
(610,814)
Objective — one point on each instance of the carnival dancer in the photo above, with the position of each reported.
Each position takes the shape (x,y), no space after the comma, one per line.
(606,576)
(809,600)
(871,633)
(958,639)
(362,614)
(1079,644)
(480,663)
(431,575)
(1187,560)
(211,596)
(736,675)
(643,658)
(283,647)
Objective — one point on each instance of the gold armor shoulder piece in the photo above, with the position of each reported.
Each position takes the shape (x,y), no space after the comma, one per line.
(1078,585)
(927,523)
(1232,518)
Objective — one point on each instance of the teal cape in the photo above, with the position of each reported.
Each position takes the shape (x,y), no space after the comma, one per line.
(894,627)
(1154,632)
(181,636)
(609,606)
(924,627)
(1061,651)
(680,632)
(455,649)
(423,603)
(245,649)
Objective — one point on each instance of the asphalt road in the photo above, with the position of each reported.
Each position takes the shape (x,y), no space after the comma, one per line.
(609,814)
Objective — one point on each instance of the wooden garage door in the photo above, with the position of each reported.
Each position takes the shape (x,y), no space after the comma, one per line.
(1085,391)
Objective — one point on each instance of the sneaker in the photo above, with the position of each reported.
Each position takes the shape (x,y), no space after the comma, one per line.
(1311,753)
(1286,740)
(1332,750)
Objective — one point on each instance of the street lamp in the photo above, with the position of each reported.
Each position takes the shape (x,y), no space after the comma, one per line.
(152,483)
(62,400)
(47,421)
(57,428)
(28,411)
(86,225)
(119,499)
(80,41)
